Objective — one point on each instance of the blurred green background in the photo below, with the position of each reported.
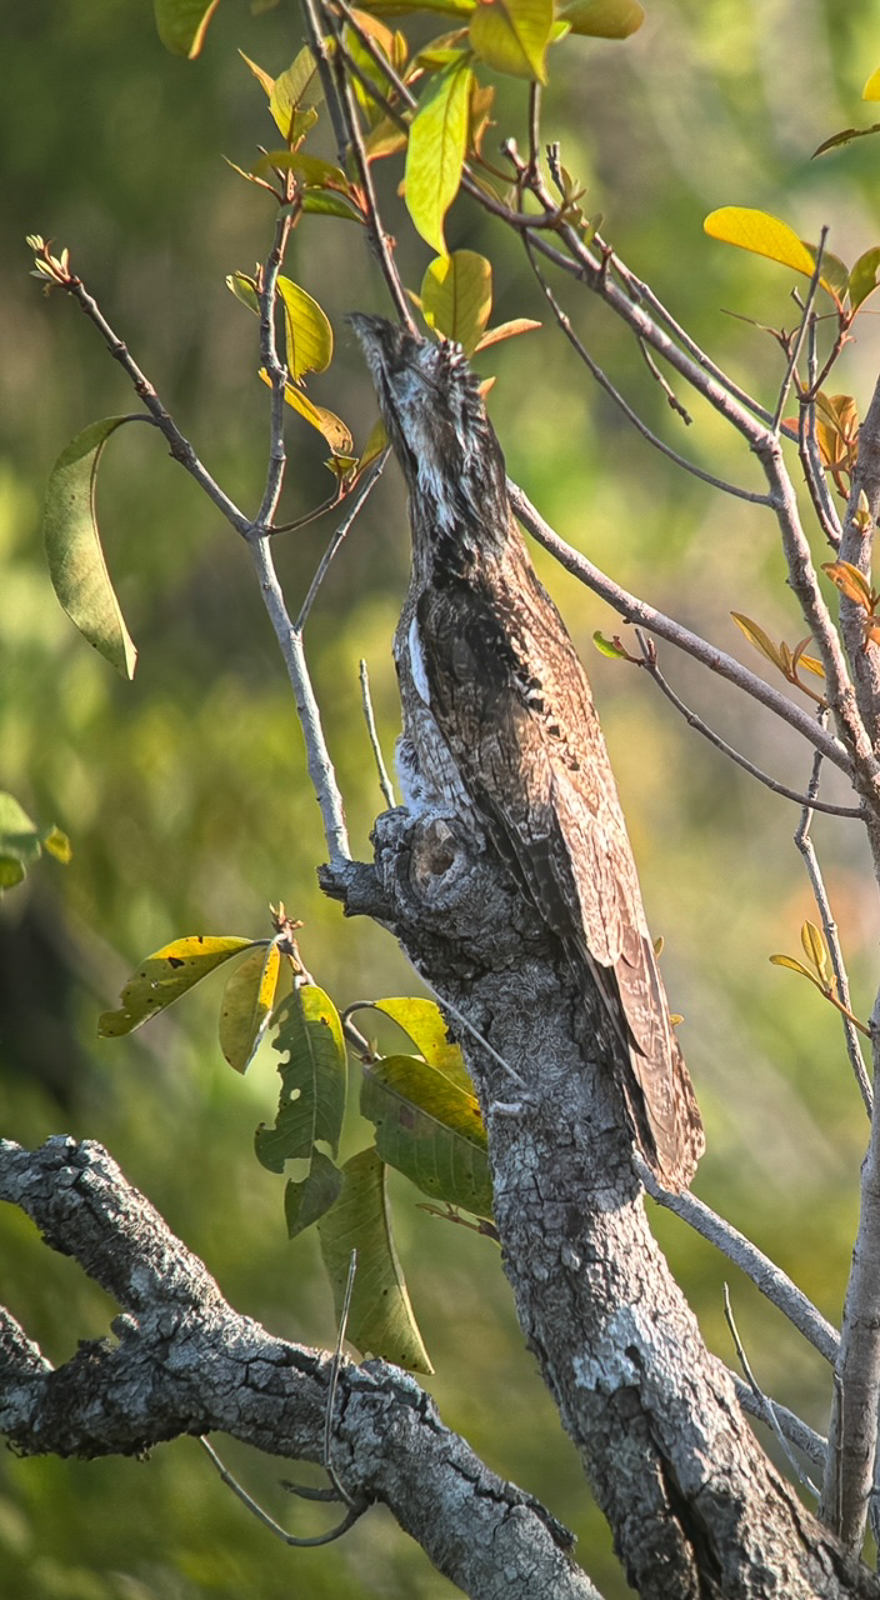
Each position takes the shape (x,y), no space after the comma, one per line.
(185,794)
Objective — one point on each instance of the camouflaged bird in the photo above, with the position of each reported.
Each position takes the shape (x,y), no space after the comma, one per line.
(499,721)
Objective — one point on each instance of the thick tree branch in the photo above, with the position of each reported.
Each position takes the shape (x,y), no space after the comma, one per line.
(186,1363)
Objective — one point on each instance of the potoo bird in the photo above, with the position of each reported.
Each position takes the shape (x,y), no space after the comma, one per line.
(499,720)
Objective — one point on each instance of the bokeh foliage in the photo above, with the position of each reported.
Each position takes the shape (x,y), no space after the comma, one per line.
(184,794)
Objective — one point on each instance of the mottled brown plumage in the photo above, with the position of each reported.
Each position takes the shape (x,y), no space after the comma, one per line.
(499,721)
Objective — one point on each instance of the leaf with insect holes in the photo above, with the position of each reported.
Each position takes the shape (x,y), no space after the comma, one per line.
(430,1129)
(381,1318)
(163,977)
(73,547)
(247,1004)
(311,1105)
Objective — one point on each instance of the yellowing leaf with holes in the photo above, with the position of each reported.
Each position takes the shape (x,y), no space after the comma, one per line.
(307,1199)
(763,235)
(163,977)
(435,153)
(73,547)
(313,1080)
(512,35)
(247,1002)
(456,297)
(602,19)
(309,335)
(381,1317)
(430,1129)
(182,24)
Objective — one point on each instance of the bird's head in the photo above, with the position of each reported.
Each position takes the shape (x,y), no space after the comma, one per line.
(436,422)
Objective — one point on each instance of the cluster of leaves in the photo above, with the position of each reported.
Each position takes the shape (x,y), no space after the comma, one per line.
(425,1116)
(819,970)
(785,658)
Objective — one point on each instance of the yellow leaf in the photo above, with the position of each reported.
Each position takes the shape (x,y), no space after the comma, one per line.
(871,90)
(850,581)
(512,35)
(456,297)
(247,1002)
(763,235)
(163,977)
(795,966)
(332,427)
(757,637)
(507,330)
(813,941)
(435,153)
(308,330)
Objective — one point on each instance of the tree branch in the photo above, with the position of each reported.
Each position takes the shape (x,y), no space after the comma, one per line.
(186,1362)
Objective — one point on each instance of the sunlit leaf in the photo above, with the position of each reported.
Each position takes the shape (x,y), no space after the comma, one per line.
(329,203)
(308,1199)
(73,547)
(182,24)
(435,153)
(430,1130)
(313,1079)
(381,1317)
(871,90)
(512,35)
(163,977)
(813,941)
(314,171)
(507,330)
(757,637)
(336,433)
(456,297)
(309,334)
(602,19)
(262,77)
(424,1023)
(405,8)
(763,235)
(377,441)
(796,966)
(864,276)
(247,1002)
(384,140)
(850,581)
(245,290)
(298,87)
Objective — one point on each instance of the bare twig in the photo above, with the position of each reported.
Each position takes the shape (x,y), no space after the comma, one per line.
(372,732)
(275,369)
(635,610)
(765,1275)
(852,1437)
(807,849)
(334,1381)
(766,1408)
(797,342)
(339,536)
(256,1510)
(649,655)
(804,1438)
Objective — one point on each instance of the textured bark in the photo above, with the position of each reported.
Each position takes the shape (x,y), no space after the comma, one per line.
(695,1506)
(185,1362)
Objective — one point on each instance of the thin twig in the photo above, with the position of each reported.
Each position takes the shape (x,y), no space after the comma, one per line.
(767,1409)
(321,55)
(634,610)
(275,370)
(256,1510)
(667,388)
(339,536)
(797,1432)
(797,342)
(601,377)
(808,450)
(335,1366)
(384,780)
(649,660)
(764,1273)
(804,843)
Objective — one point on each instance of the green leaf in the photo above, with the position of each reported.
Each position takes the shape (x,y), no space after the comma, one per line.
(182,24)
(608,647)
(430,1130)
(329,203)
(247,1002)
(405,8)
(313,170)
(456,297)
(864,276)
(73,547)
(602,19)
(381,1317)
(313,1080)
(245,290)
(309,334)
(163,977)
(512,36)
(298,87)
(764,235)
(306,1201)
(21,842)
(435,153)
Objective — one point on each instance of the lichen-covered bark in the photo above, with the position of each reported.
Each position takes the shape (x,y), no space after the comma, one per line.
(695,1506)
